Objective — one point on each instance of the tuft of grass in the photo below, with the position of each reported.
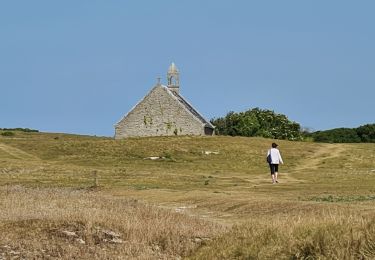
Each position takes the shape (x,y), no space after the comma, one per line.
(329,235)
(332,198)
(8,133)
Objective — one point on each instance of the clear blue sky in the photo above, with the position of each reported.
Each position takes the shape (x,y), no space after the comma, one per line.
(79,66)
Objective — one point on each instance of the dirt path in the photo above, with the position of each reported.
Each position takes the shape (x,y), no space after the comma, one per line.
(222,214)
(17,153)
(326,151)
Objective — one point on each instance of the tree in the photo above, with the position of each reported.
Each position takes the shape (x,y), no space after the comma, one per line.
(258,122)
(364,134)
(337,135)
(367,133)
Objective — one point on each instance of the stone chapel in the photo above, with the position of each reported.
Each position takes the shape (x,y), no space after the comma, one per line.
(163,112)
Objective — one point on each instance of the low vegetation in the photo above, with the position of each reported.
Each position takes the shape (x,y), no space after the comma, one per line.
(258,122)
(69,196)
(26,130)
(80,224)
(326,235)
(7,133)
(13,131)
(362,134)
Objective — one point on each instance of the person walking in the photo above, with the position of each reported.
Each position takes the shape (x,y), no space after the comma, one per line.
(274,159)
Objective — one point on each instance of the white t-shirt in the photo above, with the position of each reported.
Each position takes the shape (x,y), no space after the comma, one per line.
(275,156)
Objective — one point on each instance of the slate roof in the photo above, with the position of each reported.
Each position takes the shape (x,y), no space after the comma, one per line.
(192,110)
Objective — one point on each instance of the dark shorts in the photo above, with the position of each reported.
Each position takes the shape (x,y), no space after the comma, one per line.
(274,168)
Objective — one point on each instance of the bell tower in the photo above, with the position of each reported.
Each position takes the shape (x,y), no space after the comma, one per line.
(173,77)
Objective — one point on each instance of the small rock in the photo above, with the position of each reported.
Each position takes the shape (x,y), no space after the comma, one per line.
(69,233)
(183,208)
(111,234)
(116,240)
(210,152)
(154,158)
(155,247)
(80,241)
(198,240)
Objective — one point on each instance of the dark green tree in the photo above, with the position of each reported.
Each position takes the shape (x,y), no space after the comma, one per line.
(337,135)
(258,122)
(367,133)
(364,134)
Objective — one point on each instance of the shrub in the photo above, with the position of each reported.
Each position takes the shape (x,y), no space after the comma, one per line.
(7,133)
(26,130)
(365,134)
(258,122)
(337,135)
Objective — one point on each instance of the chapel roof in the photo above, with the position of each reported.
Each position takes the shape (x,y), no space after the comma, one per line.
(192,110)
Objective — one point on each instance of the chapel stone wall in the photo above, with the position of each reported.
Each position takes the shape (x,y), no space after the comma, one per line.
(159,114)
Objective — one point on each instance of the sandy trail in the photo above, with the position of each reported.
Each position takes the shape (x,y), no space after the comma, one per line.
(17,153)
(325,152)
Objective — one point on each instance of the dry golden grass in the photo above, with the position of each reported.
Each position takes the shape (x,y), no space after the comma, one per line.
(227,195)
(327,234)
(83,224)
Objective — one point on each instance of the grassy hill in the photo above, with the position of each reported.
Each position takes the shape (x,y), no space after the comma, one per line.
(203,198)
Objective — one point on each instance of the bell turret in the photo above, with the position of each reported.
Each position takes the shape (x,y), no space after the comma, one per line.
(173,77)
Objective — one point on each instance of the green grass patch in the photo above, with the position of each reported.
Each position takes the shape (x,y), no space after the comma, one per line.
(8,133)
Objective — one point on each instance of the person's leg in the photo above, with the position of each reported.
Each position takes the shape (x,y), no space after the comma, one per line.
(276,172)
(272,168)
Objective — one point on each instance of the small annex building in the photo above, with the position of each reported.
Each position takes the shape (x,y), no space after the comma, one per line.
(163,112)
